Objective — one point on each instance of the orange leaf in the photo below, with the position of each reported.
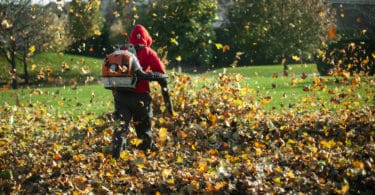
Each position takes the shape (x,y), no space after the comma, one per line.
(266,100)
(331,32)
(57,156)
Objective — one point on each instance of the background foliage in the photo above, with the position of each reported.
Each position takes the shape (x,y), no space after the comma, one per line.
(191,34)
(182,26)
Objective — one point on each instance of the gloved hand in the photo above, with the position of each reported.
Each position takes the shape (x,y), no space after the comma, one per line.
(160,78)
(163,82)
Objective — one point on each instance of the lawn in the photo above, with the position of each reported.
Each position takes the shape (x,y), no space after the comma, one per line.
(81,92)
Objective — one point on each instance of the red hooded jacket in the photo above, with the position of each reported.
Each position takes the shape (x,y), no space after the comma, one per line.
(147,57)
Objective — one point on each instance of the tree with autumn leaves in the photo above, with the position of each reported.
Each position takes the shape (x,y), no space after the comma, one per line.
(86,24)
(190,33)
(25,28)
(183,30)
(269,31)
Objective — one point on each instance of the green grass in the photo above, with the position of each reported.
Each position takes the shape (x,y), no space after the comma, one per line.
(267,70)
(266,82)
(80,69)
(62,100)
(269,81)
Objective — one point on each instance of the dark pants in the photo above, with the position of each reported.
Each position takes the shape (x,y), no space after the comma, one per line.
(129,105)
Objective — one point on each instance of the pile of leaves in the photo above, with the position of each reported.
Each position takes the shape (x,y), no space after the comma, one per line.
(220,139)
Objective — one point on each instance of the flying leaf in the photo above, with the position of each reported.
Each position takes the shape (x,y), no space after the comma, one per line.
(218,45)
(174,41)
(226,48)
(32,49)
(331,32)
(296,58)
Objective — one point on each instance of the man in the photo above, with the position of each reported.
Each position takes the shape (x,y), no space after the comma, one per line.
(136,104)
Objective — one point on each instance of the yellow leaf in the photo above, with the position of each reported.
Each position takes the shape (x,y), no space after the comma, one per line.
(344,189)
(346,74)
(218,45)
(220,185)
(85,70)
(193,147)
(140,165)
(258,151)
(37,92)
(328,144)
(135,141)
(90,129)
(124,155)
(161,120)
(100,155)
(60,103)
(290,175)
(296,58)
(97,32)
(358,164)
(179,160)
(294,82)
(277,179)
(266,100)
(291,141)
(166,173)
(278,169)
(79,157)
(170,181)
(202,166)
(108,174)
(33,67)
(259,145)
(174,41)
(32,49)
(163,134)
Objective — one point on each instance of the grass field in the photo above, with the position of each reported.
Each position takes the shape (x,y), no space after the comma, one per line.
(282,92)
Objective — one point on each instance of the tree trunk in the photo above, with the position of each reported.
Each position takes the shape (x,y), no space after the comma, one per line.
(14,66)
(284,62)
(25,66)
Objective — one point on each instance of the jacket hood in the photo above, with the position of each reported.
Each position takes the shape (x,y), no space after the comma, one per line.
(140,36)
